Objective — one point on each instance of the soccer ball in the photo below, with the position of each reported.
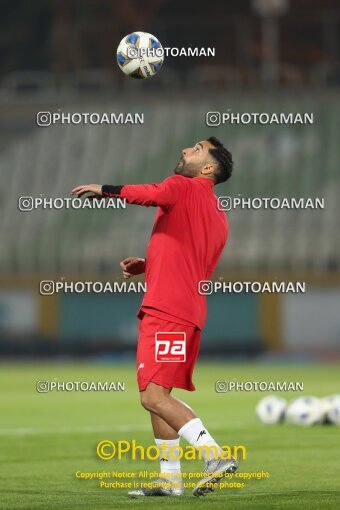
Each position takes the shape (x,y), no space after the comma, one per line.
(305,411)
(332,409)
(271,410)
(140,55)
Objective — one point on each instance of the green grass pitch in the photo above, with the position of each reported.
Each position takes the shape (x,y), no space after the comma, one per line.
(46,438)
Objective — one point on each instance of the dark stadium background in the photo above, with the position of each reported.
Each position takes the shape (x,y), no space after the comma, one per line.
(61,55)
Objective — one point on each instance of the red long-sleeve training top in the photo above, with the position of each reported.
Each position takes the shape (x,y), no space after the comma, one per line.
(186,242)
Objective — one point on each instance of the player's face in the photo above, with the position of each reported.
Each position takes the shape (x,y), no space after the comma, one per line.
(194,159)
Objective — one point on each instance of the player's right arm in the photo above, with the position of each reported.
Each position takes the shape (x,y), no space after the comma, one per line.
(163,194)
(132,266)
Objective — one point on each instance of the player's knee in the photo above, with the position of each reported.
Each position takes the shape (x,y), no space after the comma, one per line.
(151,402)
(147,401)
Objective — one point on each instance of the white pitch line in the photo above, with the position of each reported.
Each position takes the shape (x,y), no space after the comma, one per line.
(30,431)
(67,430)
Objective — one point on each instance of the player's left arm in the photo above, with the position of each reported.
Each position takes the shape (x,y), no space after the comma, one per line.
(163,194)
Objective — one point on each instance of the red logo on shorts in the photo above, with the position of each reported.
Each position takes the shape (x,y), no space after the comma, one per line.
(170,346)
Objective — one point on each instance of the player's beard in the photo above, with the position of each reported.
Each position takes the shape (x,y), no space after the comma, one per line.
(185,169)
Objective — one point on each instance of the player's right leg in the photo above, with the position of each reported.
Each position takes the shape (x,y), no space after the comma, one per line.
(170,481)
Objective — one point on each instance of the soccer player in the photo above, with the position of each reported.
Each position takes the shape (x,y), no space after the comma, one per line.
(187,240)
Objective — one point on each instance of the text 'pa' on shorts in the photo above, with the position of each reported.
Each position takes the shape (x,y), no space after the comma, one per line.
(166,353)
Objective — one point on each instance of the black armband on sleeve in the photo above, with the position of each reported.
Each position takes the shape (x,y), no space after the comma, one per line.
(108,190)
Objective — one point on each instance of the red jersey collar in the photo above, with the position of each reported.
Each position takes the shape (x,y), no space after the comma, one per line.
(204,179)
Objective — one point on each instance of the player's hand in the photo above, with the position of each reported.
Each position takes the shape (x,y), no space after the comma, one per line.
(132,266)
(87,188)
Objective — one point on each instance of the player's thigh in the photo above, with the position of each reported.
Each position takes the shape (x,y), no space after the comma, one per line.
(155,390)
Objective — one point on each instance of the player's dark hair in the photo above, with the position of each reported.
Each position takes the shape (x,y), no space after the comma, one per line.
(223,158)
